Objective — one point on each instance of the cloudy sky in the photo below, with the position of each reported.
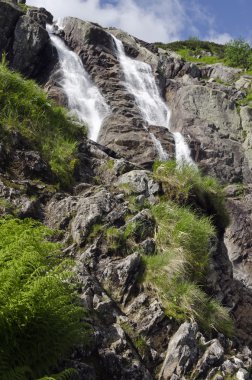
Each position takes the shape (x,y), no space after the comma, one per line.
(162,20)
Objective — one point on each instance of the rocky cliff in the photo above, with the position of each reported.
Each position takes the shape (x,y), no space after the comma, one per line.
(106,216)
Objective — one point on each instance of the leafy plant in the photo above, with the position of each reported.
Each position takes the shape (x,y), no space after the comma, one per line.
(39,316)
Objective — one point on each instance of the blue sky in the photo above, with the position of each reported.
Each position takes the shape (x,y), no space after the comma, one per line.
(162,20)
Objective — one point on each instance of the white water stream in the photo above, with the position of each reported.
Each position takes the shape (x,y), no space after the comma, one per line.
(84,98)
(140,82)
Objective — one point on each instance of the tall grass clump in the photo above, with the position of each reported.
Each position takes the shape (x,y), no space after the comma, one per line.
(40,319)
(179,268)
(187,185)
(24,107)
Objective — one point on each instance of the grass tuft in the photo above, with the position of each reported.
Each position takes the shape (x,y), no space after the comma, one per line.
(24,107)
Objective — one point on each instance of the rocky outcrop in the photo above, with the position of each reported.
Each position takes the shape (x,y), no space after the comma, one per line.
(205,113)
(105,220)
(9,15)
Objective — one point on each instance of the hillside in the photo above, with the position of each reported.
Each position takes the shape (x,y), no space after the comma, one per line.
(128,257)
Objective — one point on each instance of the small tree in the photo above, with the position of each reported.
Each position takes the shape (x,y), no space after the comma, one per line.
(238,53)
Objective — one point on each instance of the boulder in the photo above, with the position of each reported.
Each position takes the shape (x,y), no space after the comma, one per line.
(30,42)
(182,352)
(219,71)
(9,15)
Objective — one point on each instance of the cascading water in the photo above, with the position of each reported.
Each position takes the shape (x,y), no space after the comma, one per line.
(84,98)
(140,81)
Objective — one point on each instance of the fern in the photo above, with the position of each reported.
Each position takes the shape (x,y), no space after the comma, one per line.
(67,374)
(39,319)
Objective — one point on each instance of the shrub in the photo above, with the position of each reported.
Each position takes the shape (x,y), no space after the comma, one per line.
(24,107)
(39,317)
(187,185)
(238,53)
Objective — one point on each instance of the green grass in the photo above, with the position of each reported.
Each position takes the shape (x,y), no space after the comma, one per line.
(189,55)
(187,185)
(24,107)
(247,101)
(195,46)
(179,268)
(39,316)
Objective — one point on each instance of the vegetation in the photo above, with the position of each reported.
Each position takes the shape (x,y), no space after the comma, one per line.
(39,316)
(187,185)
(39,121)
(180,265)
(247,101)
(184,238)
(195,46)
(238,53)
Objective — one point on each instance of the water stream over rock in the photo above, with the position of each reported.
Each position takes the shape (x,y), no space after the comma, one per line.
(84,98)
(140,82)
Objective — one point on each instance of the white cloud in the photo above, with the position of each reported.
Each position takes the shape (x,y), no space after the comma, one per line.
(150,20)
(219,38)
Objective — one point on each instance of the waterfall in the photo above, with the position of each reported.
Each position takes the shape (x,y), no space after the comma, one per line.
(140,82)
(84,98)
(183,154)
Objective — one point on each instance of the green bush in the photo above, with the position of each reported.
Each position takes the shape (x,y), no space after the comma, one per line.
(24,107)
(187,185)
(39,317)
(238,53)
(179,268)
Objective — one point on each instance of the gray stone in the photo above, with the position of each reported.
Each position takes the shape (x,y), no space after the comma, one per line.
(212,357)
(182,352)
(138,182)
(9,15)
(224,73)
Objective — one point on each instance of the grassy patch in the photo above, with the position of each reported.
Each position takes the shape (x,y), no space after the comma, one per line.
(187,185)
(189,55)
(25,108)
(247,101)
(179,268)
(40,319)
(195,46)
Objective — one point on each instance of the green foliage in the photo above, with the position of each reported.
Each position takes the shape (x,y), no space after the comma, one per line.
(186,236)
(187,185)
(195,46)
(247,101)
(25,108)
(179,268)
(238,53)
(189,55)
(67,374)
(39,317)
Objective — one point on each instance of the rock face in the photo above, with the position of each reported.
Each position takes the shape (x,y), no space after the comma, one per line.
(105,221)
(24,39)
